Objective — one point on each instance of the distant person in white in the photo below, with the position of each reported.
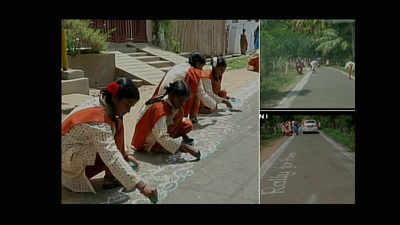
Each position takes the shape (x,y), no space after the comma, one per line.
(314,65)
(350,67)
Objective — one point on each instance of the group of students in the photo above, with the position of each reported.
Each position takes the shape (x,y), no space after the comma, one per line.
(291,128)
(93,133)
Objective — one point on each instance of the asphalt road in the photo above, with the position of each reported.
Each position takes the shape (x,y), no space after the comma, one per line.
(326,88)
(308,169)
(230,174)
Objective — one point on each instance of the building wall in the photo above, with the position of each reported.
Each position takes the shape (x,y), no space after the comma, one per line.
(98,68)
(236,29)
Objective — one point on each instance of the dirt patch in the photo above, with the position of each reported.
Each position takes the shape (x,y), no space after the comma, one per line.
(233,80)
(269,147)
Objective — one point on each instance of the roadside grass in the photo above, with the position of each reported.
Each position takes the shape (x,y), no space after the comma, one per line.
(237,62)
(345,139)
(353,73)
(267,141)
(273,88)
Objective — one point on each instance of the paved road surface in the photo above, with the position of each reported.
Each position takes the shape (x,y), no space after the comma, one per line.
(326,88)
(230,175)
(308,170)
(227,172)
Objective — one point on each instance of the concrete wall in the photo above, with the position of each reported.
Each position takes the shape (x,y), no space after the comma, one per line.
(75,86)
(98,68)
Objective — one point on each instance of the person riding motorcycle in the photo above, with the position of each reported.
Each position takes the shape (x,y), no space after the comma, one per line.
(299,66)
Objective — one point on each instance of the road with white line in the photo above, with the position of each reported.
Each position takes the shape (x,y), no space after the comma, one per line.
(308,169)
(325,88)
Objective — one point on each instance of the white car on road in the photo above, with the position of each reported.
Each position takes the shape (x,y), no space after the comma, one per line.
(310,126)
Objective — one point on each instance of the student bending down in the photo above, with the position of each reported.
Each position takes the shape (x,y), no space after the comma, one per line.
(213,83)
(194,77)
(161,126)
(93,141)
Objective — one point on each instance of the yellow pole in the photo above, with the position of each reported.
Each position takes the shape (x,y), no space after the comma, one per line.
(64,50)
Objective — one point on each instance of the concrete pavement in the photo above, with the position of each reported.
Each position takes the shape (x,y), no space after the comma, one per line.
(308,169)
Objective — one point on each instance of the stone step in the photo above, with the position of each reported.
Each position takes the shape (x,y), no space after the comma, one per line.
(137,54)
(72,74)
(160,64)
(148,58)
(165,69)
(70,101)
(139,83)
(185,54)
(75,86)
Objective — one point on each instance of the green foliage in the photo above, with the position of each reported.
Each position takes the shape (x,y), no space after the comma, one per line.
(345,139)
(274,88)
(79,34)
(237,63)
(280,43)
(170,43)
(340,127)
(333,39)
(283,40)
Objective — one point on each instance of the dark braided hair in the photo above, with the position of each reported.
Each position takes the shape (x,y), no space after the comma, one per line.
(177,88)
(221,62)
(196,57)
(127,89)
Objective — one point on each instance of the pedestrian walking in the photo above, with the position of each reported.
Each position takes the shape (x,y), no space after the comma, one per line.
(349,67)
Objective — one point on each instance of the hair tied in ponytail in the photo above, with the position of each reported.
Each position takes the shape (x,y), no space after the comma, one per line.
(113,88)
(214,61)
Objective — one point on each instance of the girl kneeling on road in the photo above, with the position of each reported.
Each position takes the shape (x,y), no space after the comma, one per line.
(93,141)
(213,84)
(161,126)
(192,73)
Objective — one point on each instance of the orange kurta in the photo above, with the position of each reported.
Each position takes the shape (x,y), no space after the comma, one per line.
(99,115)
(149,119)
(255,63)
(192,79)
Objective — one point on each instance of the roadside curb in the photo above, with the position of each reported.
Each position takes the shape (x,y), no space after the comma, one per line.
(274,156)
(287,101)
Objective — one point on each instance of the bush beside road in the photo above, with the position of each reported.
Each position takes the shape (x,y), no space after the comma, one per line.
(345,139)
(273,88)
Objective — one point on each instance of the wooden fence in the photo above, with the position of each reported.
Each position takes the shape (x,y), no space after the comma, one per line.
(124,29)
(206,36)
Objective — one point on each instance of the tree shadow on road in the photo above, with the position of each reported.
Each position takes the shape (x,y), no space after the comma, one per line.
(273,97)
